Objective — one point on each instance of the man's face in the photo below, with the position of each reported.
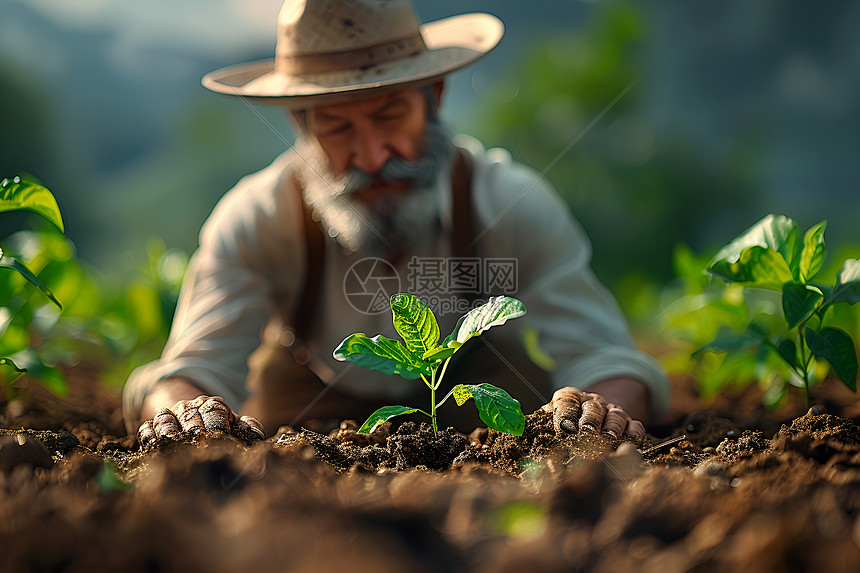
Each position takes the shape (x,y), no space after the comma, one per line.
(366,133)
(371,168)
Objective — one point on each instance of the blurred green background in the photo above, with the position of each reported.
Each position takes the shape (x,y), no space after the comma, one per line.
(660,123)
(733,110)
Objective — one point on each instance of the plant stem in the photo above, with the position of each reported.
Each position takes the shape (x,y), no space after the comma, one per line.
(433,402)
(444,367)
(804,364)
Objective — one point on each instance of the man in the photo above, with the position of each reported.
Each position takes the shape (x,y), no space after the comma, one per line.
(375,177)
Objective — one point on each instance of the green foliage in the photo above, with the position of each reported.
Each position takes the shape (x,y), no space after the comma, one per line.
(422,356)
(114,323)
(774,256)
(26,194)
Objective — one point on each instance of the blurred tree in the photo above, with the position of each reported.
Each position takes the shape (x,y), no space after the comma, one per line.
(577,107)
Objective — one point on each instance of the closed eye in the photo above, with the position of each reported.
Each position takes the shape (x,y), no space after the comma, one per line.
(393,110)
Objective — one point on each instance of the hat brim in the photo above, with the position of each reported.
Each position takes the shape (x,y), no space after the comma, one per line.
(451,43)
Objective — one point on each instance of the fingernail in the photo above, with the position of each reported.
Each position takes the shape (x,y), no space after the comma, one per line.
(568,426)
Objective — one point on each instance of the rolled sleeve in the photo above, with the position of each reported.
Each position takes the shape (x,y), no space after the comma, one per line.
(248,258)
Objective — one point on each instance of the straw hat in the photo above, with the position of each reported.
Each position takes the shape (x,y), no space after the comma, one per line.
(329,49)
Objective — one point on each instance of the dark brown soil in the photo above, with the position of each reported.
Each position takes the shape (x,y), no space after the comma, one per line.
(726,486)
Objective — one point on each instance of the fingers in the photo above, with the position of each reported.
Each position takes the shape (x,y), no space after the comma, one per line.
(146,434)
(165,424)
(616,421)
(215,414)
(252,425)
(594,410)
(574,410)
(618,424)
(566,407)
(636,430)
(188,418)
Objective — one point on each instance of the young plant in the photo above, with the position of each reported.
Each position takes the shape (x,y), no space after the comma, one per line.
(772,255)
(26,194)
(425,358)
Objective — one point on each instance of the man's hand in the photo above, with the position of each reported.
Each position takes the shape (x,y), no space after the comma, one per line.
(187,418)
(573,410)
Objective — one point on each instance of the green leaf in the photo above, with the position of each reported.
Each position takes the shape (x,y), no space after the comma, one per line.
(773,395)
(415,323)
(497,409)
(757,267)
(11,363)
(384,414)
(835,346)
(728,341)
(814,251)
(14,264)
(847,288)
(438,353)
(50,377)
(766,255)
(787,350)
(799,302)
(462,393)
(380,353)
(25,194)
(496,311)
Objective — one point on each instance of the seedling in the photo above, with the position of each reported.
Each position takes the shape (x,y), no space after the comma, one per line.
(425,358)
(772,255)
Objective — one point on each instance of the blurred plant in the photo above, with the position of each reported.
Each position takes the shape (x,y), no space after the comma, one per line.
(772,255)
(758,326)
(112,323)
(691,310)
(25,193)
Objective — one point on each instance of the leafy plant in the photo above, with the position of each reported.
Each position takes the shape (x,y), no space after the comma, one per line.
(425,358)
(26,194)
(111,322)
(772,255)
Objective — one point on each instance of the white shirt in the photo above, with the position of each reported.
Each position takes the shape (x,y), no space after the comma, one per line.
(253,246)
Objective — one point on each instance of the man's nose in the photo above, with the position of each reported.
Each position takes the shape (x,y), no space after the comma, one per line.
(371,152)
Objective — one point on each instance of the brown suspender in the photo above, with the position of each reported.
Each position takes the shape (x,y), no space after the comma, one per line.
(462,237)
(461,240)
(314,257)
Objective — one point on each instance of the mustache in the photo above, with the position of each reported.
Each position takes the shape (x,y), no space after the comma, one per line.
(421,173)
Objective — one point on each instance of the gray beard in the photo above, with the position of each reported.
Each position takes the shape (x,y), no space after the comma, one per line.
(391,224)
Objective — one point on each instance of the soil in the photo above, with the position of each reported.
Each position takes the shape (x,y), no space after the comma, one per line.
(720,486)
